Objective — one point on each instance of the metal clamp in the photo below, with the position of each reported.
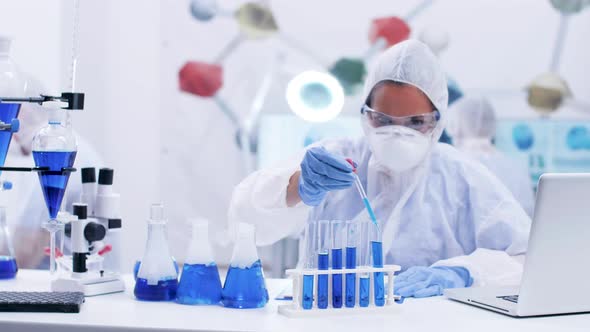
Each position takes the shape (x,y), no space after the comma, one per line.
(74,100)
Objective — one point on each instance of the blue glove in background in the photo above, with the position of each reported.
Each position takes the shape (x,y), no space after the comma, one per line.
(421,281)
(322,171)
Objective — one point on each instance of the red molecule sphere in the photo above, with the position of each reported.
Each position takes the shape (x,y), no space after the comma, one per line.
(201,79)
(392,29)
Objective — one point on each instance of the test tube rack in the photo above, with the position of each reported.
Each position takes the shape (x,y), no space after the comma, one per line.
(295,308)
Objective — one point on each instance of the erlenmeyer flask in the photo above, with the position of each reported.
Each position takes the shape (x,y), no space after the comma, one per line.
(157,277)
(199,282)
(8,266)
(244,285)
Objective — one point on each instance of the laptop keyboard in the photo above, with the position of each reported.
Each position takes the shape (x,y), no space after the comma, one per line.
(511,298)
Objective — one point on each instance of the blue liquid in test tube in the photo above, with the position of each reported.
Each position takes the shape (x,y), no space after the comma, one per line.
(338,231)
(376,249)
(337,278)
(323,238)
(364,286)
(350,277)
(323,264)
(307,300)
(309,263)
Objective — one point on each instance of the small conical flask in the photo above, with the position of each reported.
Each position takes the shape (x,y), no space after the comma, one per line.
(8,266)
(157,277)
(199,282)
(244,285)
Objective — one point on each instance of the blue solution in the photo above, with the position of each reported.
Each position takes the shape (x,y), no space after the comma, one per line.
(350,277)
(379,283)
(370,210)
(54,186)
(199,284)
(244,287)
(138,264)
(165,290)
(8,112)
(364,294)
(307,299)
(337,278)
(323,264)
(8,267)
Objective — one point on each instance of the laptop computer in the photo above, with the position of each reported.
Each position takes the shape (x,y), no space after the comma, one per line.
(556,274)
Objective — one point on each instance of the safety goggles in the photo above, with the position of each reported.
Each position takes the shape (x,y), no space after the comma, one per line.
(423,123)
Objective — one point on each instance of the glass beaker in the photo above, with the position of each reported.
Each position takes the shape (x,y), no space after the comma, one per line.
(8,267)
(244,285)
(157,279)
(199,282)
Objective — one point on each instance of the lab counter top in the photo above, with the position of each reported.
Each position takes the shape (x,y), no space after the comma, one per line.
(121,312)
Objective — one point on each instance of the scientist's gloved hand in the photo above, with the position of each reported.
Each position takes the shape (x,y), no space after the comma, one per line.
(322,171)
(421,281)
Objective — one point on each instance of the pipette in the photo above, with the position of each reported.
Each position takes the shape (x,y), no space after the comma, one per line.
(361,190)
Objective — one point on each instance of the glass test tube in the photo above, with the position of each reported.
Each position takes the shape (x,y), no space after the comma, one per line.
(365,260)
(338,233)
(308,263)
(352,241)
(323,238)
(377,261)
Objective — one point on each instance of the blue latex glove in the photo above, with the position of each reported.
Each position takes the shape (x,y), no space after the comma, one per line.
(322,171)
(421,281)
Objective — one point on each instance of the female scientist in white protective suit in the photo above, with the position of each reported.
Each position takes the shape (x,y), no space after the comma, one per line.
(446,219)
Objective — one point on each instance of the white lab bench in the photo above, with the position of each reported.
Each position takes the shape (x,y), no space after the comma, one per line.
(121,312)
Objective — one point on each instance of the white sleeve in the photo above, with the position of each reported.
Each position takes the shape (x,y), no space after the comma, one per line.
(260,199)
(489,267)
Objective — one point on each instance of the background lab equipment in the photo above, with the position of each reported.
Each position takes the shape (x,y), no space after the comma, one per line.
(559,234)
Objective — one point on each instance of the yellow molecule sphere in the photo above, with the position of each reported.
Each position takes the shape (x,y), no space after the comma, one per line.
(547,92)
(256,20)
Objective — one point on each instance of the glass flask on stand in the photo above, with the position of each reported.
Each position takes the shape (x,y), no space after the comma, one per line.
(54,152)
(244,285)
(199,282)
(157,279)
(8,267)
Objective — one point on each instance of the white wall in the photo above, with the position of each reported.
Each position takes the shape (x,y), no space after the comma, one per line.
(160,140)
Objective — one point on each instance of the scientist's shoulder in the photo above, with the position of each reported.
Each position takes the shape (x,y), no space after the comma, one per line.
(448,160)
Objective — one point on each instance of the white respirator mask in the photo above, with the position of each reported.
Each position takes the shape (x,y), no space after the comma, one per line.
(397,148)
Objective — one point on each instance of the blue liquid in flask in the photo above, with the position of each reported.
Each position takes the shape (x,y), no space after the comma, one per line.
(8,112)
(337,278)
(199,284)
(138,264)
(364,286)
(350,277)
(244,287)
(376,248)
(164,290)
(54,185)
(323,264)
(307,300)
(8,267)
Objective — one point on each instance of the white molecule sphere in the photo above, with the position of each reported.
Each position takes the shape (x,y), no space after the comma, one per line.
(435,37)
(204,10)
